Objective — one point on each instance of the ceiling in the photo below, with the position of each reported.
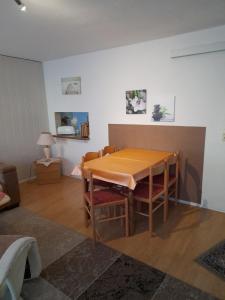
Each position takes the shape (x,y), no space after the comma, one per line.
(52,29)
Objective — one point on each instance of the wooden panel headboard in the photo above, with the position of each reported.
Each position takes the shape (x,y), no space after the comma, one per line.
(189,141)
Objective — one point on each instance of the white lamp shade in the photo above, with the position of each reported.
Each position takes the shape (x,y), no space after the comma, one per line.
(45,139)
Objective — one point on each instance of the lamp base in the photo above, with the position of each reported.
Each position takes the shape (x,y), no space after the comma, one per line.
(47,153)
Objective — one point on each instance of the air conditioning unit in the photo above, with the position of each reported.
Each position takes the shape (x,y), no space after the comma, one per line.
(198,49)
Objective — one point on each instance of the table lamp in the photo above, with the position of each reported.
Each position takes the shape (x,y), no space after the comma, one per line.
(46,140)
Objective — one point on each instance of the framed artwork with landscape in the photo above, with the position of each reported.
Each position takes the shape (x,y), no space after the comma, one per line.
(72,124)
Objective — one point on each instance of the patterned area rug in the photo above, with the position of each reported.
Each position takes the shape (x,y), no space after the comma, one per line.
(214,259)
(74,269)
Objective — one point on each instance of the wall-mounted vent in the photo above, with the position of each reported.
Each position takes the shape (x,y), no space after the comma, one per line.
(198,49)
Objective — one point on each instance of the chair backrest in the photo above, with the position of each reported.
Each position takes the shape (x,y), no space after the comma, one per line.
(89,156)
(108,150)
(84,173)
(173,163)
(158,169)
(173,159)
(12,265)
(88,185)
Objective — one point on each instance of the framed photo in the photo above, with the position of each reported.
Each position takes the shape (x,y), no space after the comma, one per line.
(72,124)
(163,109)
(136,102)
(71,85)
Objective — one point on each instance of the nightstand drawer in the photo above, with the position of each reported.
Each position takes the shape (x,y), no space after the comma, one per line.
(48,174)
(51,168)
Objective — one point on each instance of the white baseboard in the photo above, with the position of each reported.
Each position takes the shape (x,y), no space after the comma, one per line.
(27,179)
(214,209)
(198,205)
(187,202)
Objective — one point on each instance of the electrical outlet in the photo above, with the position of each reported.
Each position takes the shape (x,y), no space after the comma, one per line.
(223,137)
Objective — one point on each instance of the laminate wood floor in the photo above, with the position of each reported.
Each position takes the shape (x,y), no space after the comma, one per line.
(189,232)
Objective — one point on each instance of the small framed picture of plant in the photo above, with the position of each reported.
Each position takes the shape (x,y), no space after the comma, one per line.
(136,102)
(163,109)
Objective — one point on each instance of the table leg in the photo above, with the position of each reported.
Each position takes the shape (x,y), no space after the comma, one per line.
(131,212)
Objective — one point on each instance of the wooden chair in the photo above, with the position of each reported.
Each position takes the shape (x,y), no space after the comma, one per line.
(172,176)
(108,150)
(152,194)
(90,156)
(101,200)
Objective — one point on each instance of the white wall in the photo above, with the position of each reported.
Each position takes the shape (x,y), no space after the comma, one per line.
(23,112)
(198,82)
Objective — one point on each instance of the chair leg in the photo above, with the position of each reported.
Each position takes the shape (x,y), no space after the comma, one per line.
(86,216)
(93,223)
(126,218)
(150,218)
(114,211)
(165,208)
(176,192)
(121,212)
(131,211)
(139,206)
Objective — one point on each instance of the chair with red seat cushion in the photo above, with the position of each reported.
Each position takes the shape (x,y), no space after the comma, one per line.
(152,194)
(101,200)
(142,190)
(97,182)
(90,155)
(173,175)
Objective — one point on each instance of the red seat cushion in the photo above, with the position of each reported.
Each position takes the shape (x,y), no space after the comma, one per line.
(158,179)
(142,190)
(105,196)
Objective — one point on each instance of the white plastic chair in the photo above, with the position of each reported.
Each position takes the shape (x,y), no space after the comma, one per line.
(12,266)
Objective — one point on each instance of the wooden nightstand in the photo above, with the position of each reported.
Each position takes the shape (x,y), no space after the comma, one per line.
(48,174)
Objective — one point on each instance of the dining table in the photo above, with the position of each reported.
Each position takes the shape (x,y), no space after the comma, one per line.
(125,168)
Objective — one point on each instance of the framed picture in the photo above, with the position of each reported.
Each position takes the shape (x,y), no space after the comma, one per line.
(71,85)
(136,102)
(163,109)
(74,124)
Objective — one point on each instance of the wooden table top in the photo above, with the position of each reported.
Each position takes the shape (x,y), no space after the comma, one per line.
(127,166)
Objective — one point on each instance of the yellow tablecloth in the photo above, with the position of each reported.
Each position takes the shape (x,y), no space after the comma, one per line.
(127,166)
